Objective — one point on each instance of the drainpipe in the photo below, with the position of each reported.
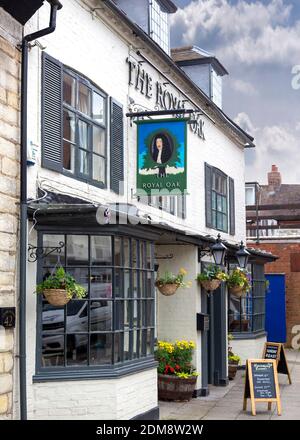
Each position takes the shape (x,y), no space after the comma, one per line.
(55,6)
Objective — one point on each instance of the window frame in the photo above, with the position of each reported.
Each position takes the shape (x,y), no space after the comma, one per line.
(79,78)
(158,29)
(114,369)
(252,299)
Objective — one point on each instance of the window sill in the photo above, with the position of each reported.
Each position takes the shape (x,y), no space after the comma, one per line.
(93,373)
(248,335)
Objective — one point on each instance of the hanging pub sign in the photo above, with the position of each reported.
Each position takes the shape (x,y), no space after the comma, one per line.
(161,157)
(275,350)
(261,384)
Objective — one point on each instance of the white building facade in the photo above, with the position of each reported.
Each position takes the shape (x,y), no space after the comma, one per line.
(93,359)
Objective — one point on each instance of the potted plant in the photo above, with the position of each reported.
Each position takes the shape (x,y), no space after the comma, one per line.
(176,375)
(239,282)
(210,278)
(168,283)
(59,287)
(233,360)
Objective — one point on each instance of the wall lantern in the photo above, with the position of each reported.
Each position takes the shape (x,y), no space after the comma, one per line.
(218,251)
(242,256)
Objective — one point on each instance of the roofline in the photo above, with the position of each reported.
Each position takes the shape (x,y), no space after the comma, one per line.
(248,139)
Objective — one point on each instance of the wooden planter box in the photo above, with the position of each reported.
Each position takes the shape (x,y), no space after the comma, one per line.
(175,388)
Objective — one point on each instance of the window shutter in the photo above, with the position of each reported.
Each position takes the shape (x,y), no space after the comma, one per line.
(52,97)
(208,195)
(231,207)
(116,147)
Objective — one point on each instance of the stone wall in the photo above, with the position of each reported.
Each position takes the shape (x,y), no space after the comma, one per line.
(10,36)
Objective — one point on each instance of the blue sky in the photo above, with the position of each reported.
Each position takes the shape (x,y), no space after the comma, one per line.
(258,41)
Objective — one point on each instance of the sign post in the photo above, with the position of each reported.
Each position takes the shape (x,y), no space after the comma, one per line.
(261,384)
(275,350)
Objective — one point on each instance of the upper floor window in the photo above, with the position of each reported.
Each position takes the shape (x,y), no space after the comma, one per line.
(219,200)
(159,25)
(84,128)
(250,195)
(75,121)
(175,205)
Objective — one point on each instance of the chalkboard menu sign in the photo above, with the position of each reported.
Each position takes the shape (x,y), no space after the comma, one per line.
(263,380)
(275,350)
(261,384)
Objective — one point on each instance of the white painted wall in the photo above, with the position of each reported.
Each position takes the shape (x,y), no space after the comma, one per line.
(248,348)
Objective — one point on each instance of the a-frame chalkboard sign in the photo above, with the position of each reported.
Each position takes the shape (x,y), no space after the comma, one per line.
(275,350)
(261,384)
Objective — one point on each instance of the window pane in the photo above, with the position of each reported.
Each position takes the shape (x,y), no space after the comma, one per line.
(149,256)
(51,240)
(99,140)
(136,283)
(118,347)
(84,99)
(101,349)
(53,318)
(213,200)
(69,126)
(77,250)
(98,168)
(127,284)
(219,203)
(127,314)
(136,313)
(126,346)
(77,349)
(69,90)
(119,289)
(150,341)
(83,132)
(101,250)
(119,318)
(84,162)
(69,157)
(101,283)
(98,108)
(52,350)
(77,316)
(135,256)
(126,252)
(101,316)
(118,251)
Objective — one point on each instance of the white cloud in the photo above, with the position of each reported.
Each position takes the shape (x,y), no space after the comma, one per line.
(244,87)
(252,33)
(277,144)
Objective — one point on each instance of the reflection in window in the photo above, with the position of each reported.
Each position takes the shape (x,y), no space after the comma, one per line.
(110,324)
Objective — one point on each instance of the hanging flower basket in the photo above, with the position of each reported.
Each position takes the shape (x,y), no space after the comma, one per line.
(56,297)
(238,291)
(210,285)
(167,289)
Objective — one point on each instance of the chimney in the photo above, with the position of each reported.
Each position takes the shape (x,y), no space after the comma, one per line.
(274,177)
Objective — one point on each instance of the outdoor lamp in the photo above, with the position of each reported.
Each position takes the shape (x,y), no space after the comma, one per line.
(242,255)
(218,251)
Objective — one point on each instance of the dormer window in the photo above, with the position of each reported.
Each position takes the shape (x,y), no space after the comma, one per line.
(159,25)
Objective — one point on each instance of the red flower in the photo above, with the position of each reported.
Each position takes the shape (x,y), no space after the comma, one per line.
(177,367)
(172,369)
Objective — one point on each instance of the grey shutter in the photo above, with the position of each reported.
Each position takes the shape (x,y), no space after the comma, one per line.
(52,97)
(208,195)
(231,207)
(116,147)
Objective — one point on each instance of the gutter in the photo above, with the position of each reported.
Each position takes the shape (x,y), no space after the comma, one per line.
(209,103)
(55,6)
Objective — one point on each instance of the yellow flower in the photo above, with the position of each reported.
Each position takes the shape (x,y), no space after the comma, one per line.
(182,271)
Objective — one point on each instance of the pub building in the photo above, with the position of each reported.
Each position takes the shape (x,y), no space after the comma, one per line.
(102,204)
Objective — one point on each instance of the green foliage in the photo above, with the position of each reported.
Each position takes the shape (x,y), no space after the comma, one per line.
(239,277)
(212,272)
(234,359)
(171,278)
(62,280)
(176,358)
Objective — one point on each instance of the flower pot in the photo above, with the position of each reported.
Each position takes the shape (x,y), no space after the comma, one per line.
(238,291)
(56,297)
(232,369)
(175,388)
(167,289)
(210,285)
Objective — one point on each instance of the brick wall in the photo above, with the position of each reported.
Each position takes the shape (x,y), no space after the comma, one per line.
(288,254)
(10,34)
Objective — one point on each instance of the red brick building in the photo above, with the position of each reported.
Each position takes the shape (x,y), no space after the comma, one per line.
(273,224)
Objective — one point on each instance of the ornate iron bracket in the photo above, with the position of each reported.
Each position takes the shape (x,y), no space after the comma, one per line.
(35,252)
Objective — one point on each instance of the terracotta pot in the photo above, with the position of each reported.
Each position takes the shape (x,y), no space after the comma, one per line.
(167,289)
(175,388)
(232,369)
(238,291)
(56,297)
(210,285)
